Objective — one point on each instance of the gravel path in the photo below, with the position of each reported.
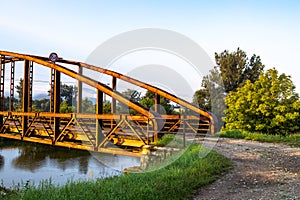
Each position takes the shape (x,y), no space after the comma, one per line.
(260,171)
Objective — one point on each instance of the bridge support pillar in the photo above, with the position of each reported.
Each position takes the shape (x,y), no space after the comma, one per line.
(99,124)
(113,100)
(56,102)
(12,86)
(157,103)
(2,79)
(79,97)
(25,99)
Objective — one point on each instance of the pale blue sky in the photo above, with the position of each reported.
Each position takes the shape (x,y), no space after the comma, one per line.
(269,28)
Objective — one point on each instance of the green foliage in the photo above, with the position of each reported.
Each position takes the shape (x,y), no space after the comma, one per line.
(41,105)
(148,102)
(231,72)
(236,68)
(169,140)
(269,105)
(88,106)
(292,139)
(106,107)
(19,90)
(65,108)
(68,94)
(132,95)
(176,181)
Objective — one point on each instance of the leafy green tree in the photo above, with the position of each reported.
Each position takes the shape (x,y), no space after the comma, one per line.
(88,106)
(65,108)
(148,102)
(68,93)
(269,105)
(19,90)
(236,68)
(106,107)
(231,72)
(41,105)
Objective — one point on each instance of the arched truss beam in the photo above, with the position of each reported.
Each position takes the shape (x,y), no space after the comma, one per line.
(44,61)
(100,86)
(146,86)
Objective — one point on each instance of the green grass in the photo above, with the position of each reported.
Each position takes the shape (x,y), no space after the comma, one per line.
(292,140)
(169,140)
(177,181)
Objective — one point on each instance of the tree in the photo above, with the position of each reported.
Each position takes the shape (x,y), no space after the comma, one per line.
(106,107)
(88,106)
(148,102)
(269,105)
(236,68)
(41,105)
(19,90)
(68,93)
(132,95)
(212,85)
(65,108)
(231,72)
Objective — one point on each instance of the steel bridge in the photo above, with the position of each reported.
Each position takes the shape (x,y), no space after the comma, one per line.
(114,133)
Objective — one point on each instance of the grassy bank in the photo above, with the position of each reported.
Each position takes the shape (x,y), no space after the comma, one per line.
(292,140)
(176,181)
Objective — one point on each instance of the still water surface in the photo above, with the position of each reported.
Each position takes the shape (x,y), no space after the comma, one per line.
(34,163)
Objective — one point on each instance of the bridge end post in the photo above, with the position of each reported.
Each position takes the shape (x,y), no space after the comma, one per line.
(56,102)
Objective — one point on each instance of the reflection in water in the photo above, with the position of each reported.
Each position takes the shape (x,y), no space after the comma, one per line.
(34,157)
(30,158)
(35,163)
(1,162)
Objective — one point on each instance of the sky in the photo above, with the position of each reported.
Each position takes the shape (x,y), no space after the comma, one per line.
(73,29)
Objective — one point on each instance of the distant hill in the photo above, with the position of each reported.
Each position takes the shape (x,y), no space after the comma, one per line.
(40,96)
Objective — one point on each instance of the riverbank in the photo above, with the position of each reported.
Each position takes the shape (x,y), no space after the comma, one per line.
(176,181)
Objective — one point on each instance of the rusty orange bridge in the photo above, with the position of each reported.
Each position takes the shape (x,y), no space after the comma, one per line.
(115,133)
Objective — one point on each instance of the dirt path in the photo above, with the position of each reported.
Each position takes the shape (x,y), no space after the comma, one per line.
(261,171)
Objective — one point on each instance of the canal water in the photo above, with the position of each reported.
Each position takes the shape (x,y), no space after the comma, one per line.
(20,163)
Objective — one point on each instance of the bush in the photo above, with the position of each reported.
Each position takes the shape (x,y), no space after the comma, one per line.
(269,105)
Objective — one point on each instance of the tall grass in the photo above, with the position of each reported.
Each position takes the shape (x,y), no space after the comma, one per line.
(292,139)
(176,181)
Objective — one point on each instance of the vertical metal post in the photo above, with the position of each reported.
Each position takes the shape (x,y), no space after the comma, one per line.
(148,142)
(184,129)
(157,103)
(12,86)
(113,100)
(25,97)
(79,98)
(99,110)
(52,90)
(2,80)
(56,95)
(30,86)
(2,73)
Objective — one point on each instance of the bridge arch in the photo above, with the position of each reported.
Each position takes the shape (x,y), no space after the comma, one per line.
(136,124)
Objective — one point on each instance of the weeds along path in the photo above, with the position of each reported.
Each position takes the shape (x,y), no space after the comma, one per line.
(261,171)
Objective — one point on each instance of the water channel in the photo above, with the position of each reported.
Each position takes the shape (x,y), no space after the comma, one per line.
(21,162)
